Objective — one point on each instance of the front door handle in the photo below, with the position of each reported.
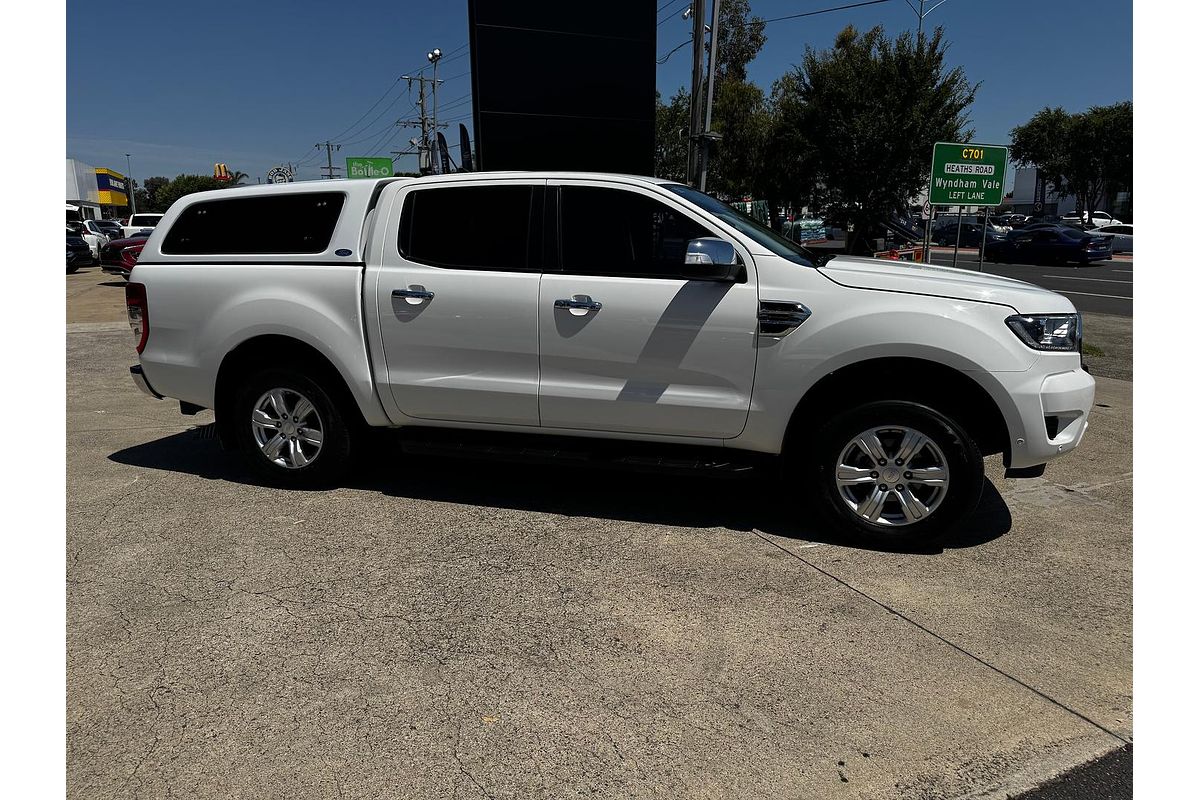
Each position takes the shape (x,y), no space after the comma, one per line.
(419,294)
(579,302)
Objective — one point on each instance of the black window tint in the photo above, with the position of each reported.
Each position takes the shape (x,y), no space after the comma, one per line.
(468,227)
(285,223)
(617,232)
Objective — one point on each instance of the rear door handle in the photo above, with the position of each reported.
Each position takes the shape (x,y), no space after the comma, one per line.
(419,294)
(587,304)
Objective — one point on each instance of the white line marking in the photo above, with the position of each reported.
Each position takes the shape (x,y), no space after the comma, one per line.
(1089,294)
(1098,280)
(806,546)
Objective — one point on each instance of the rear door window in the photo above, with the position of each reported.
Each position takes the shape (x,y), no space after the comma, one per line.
(469,227)
(286,223)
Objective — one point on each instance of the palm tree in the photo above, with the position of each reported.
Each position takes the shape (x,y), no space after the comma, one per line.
(236,178)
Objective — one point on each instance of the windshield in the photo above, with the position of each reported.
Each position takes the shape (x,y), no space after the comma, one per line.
(746,225)
(1073,233)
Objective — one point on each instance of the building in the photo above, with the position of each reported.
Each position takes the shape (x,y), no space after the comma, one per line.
(97,192)
(1034,196)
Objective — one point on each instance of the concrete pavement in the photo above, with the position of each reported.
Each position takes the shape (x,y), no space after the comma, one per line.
(452,629)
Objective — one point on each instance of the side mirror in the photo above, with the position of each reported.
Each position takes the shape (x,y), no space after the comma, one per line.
(711,259)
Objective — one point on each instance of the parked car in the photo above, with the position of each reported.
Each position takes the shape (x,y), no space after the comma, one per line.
(1096,220)
(79,254)
(1050,244)
(969,237)
(119,256)
(140,222)
(678,335)
(110,228)
(94,234)
(1120,235)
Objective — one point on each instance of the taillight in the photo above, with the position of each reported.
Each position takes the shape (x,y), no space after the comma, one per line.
(139,313)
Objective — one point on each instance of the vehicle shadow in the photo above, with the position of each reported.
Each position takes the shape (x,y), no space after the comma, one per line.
(755,501)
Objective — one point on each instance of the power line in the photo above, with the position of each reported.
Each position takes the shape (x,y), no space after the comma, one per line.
(674,50)
(826,11)
(368,111)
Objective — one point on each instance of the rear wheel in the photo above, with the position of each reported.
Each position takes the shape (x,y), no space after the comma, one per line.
(290,430)
(896,473)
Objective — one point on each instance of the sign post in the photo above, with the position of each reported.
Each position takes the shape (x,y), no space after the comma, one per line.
(368,167)
(964,174)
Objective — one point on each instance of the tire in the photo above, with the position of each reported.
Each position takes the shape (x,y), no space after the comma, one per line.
(72,269)
(315,451)
(899,521)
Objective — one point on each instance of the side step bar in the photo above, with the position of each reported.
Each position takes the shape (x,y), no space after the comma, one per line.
(593,453)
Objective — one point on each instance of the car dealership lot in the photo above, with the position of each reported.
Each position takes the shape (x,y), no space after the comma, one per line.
(440,628)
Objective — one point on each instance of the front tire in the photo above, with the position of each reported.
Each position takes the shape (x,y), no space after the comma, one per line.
(896,473)
(290,430)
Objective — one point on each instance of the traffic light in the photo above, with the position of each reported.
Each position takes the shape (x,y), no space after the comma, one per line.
(220,172)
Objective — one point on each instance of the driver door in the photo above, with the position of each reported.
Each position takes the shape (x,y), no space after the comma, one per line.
(628,344)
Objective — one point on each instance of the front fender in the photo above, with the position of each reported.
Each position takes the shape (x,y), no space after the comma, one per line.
(849,326)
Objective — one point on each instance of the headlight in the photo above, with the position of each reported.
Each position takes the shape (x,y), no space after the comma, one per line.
(1062,332)
(130,254)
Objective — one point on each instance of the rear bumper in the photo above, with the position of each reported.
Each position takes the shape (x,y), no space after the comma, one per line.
(139,380)
(1052,414)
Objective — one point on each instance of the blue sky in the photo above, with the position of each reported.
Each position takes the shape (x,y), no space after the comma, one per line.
(254,84)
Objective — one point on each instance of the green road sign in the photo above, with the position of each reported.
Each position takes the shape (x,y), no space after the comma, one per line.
(368,167)
(967,174)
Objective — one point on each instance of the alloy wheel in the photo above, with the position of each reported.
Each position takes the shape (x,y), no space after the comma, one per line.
(892,476)
(287,428)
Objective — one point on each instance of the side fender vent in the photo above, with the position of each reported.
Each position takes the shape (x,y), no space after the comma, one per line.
(778,318)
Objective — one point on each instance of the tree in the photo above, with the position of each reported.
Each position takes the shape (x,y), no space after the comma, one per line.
(147,196)
(670,136)
(236,178)
(1089,155)
(739,112)
(862,119)
(740,37)
(185,185)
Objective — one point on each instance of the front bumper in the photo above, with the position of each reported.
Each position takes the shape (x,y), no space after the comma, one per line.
(1052,410)
(139,380)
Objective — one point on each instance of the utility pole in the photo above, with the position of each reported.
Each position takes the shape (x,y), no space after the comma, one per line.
(697,116)
(427,122)
(707,137)
(329,148)
(129,181)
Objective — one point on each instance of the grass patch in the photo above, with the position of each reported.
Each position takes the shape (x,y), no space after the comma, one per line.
(1092,350)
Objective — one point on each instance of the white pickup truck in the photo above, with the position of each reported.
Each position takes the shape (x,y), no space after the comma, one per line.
(627,319)
(140,223)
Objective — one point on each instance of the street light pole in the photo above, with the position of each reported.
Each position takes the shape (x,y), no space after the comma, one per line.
(129,177)
(706,142)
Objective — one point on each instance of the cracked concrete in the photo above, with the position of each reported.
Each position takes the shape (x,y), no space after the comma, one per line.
(452,629)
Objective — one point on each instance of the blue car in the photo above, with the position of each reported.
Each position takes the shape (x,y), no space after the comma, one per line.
(1046,244)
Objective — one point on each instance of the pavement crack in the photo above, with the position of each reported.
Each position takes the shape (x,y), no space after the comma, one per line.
(959,648)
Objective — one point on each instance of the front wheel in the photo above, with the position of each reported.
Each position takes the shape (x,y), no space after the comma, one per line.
(290,430)
(896,473)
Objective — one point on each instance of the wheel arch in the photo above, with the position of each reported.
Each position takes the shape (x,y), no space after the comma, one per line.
(943,388)
(281,350)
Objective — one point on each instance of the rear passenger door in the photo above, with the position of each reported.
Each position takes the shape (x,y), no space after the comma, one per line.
(457,296)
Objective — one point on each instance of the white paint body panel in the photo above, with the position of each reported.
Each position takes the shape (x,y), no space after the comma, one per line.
(663,360)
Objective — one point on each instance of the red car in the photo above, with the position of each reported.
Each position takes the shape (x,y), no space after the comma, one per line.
(119,256)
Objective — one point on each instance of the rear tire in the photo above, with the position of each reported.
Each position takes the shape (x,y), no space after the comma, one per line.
(931,478)
(290,430)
